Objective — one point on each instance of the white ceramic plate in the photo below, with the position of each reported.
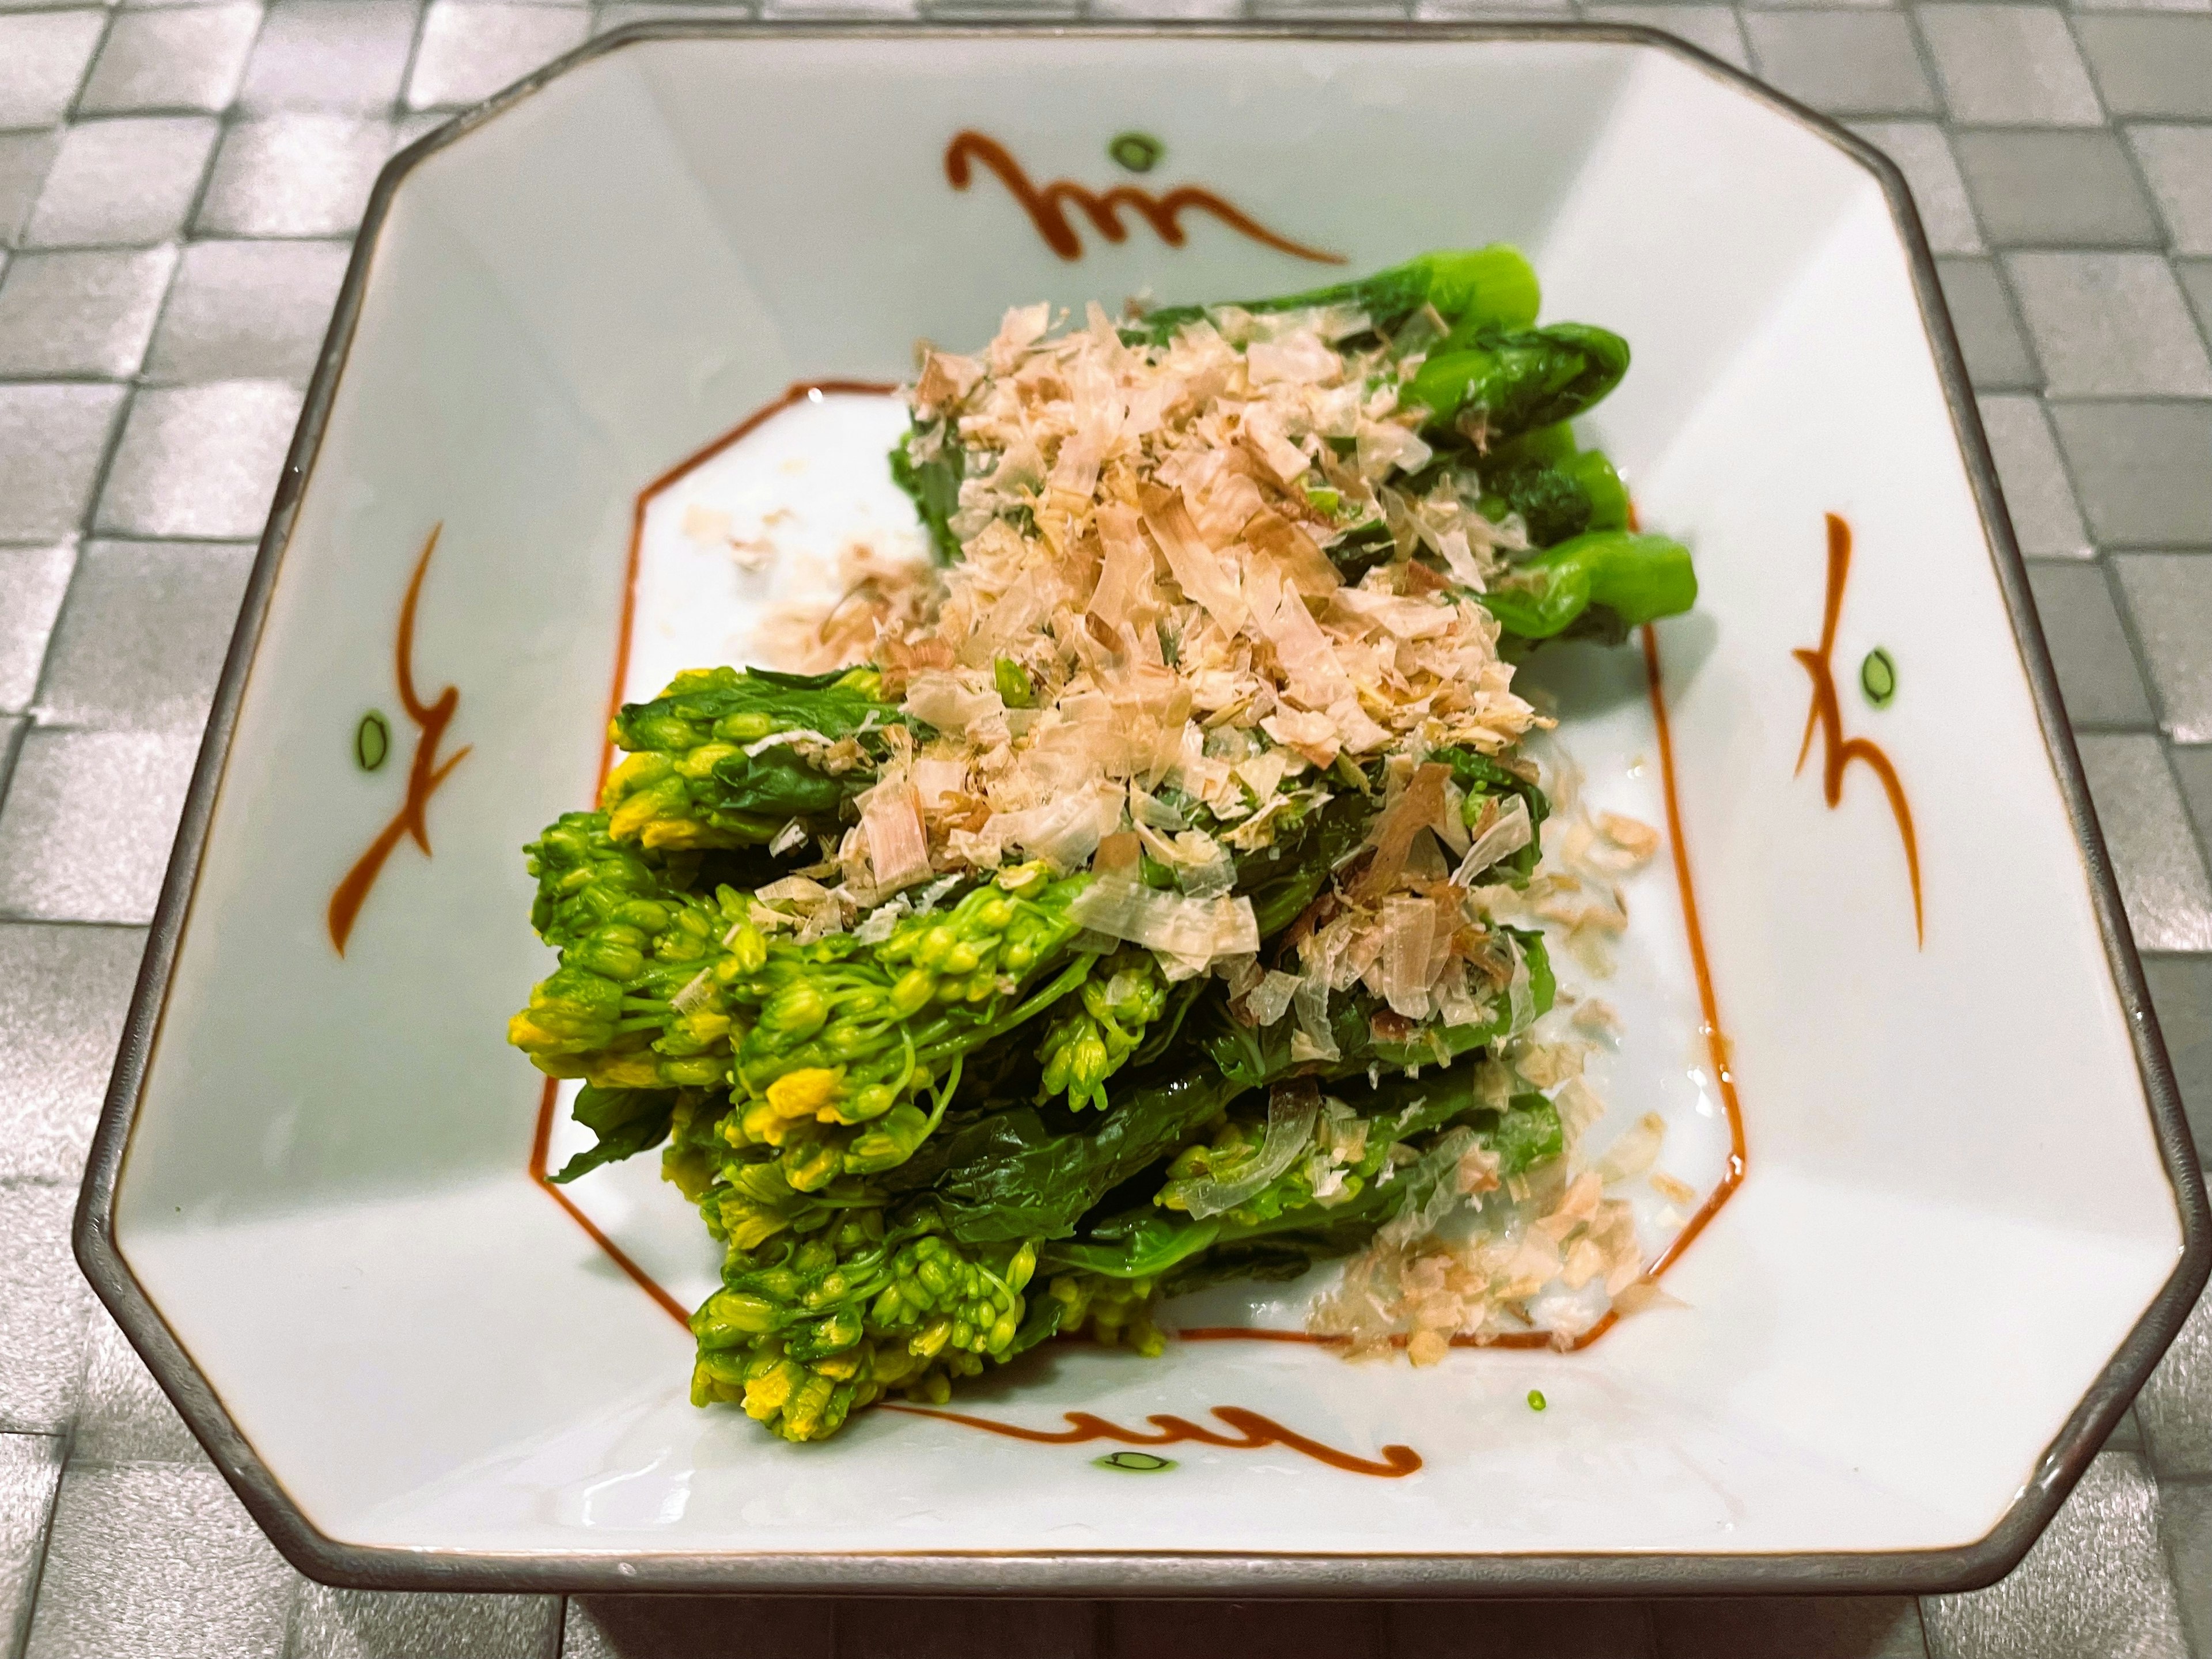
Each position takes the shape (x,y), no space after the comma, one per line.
(1968,1218)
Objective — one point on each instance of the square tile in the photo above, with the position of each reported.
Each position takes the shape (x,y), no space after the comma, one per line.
(83,312)
(2143,472)
(2178,161)
(1791,1627)
(1713,29)
(2146,830)
(1990,337)
(2181,986)
(2186,1520)
(1281,1630)
(2096,666)
(345,1623)
(44,1304)
(1924,154)
(2152,65)
(1482,11)
(1855,63)
(119,182)
(895,1628)
(24,159)
(52,440)
(346,55)
(43,56)
(63,993)
(2045,520)
(677,1626)
(142,638)
(2036,188)
(200,461)
(255,310)
(2175,1406)
(2009,65)
(2096,1582)
(470,50)
(131,785)
(622,13)
(294,175)
(2110,325)
(2170,598)
(123,1416)
(1523,1630)
(32,582)
(30,1470)
(156,1561)
(185,58)
(2195,276)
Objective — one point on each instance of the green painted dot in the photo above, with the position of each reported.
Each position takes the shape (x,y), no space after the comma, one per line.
(1133,1463)
(372,741)
(1536,1400)
(1140,152)
(1878,677)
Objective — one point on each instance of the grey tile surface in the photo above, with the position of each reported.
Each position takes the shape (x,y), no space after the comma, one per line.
(2036,188)
(123,1416)
(2161,872)
(345,1623)
(343,55)
(200,461)
(142,638)
(2010,64)
(2096,1582)
(2186,1519)
(24,159)
(2141,471)
(2110,325)
(1847,63)
(52,440)
(2037,494)
(2181,986)
(30,1469)
(901,1629)
(471,50)
(130,785)
(44,1304)
(125,180)
(294,174)
(1713,28)
(32,582)
(2196,282)
(2178,161)
(1523,1630)
(185,57)
(1924,154)
(2151,65)
(666,1626)
(2169,596)
(1284,1630)
(1791,1627)
(1990,337)
(81,312)
(157,1561)
(2175,1406)
(2089,647)
(43,58)
(256,309)
(63,992)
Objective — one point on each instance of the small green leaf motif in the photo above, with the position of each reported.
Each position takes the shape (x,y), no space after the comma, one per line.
(1133,1463)
(1140,152)
(1536,1400)
(1878,677)
(372,741)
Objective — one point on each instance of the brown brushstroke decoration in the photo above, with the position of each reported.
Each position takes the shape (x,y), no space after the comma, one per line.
(1825,714)
(1047,207)
(425,774)
(1255,1434)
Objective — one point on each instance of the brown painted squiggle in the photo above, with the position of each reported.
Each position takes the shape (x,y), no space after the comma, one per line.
(1827,716)
(425,774)
(1256,1434)
(1047,207)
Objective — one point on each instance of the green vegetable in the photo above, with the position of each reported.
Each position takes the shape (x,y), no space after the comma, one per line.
(1487,287)
(1608,580)
(934,485)
(1557,500)
(1095,1034)
(627,1121)
(1510,382)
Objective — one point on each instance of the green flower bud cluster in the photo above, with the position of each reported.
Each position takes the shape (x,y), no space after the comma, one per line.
(1109,1311)
(1101,1026)
(700,772)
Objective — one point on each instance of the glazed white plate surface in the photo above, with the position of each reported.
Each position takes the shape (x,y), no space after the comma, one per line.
(1955,1207)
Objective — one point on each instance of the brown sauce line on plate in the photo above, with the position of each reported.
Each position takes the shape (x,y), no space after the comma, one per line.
(1825,713)
(1047,207)
(1257,1433)
(424,773)
(541,1142)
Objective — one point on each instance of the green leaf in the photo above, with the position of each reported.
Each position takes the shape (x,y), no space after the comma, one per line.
(627,1121)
